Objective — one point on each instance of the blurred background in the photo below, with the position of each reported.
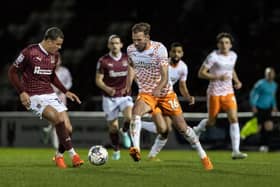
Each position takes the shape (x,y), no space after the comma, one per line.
(255,25)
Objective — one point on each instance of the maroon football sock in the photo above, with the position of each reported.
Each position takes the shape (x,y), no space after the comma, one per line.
(63,136)
(61,148)
(114,136)
(126,125)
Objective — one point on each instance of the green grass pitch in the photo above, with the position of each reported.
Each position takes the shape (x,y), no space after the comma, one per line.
(34,167)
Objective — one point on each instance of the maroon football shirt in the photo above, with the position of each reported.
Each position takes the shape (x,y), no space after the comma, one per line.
(114,71)
(37,67)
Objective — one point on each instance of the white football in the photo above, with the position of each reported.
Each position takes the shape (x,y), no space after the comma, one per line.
(98,155)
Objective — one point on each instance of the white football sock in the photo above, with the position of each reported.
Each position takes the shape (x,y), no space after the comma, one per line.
(71,152)
(54,138)
(235,136)
(202,125)
(58,154)
(194,141)
(157,146)
(135,129)
(149,126)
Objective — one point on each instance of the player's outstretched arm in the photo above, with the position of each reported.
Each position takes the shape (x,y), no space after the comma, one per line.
(185,92)
(14,79)
(73,97)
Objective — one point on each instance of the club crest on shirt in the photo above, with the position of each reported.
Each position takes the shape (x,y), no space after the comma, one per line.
(38,58)
(125,63)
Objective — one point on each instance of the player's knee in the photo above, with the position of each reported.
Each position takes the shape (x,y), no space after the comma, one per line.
(127,119)
(211,122)
(113,127)
(162,130)
(58,119)
(232,119)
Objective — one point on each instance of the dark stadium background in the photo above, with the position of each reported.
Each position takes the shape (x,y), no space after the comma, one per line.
(195,23)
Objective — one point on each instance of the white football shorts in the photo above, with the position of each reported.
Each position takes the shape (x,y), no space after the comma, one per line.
(113,105)
(39,103)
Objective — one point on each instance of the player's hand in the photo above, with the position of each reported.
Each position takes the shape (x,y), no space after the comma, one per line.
(25,100)
(191,100)
(125,91)
(223,77)
(73,97)
(254,110)
(110,91)
(237,85)
(157,92)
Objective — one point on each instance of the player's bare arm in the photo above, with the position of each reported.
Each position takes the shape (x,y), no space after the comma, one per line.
(185,92)
(203,73)
(237,84)
(100,83)
(25,100)
(130,77)
(73,97)
(163,80)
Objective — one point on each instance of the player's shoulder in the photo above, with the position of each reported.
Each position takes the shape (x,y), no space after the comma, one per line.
(260,82)
(104,58)
(233,54)
(182,65)
(157,45)
(212,55)
(131,48)
(30,47)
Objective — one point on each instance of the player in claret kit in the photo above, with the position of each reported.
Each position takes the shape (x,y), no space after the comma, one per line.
(111,75)
(36,63)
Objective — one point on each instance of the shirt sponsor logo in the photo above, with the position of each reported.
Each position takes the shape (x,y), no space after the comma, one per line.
(117,74)
(39,71)
(38,58)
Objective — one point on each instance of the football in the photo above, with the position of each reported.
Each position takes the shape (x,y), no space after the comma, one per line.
(97,155)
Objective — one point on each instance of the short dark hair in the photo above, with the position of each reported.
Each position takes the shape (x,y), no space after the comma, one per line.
(53,33)
(176,44)
(141,27)
(224,35)
(113,36)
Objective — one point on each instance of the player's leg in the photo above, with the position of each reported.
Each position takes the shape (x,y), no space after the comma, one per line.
(161,139)
(56,118)
(54,138)
(171,106)
(188,133)
(111,109)
(266,128)
(213,107)
(46,133)
(230,106)
(114,136)
(126,108)
(143,105)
